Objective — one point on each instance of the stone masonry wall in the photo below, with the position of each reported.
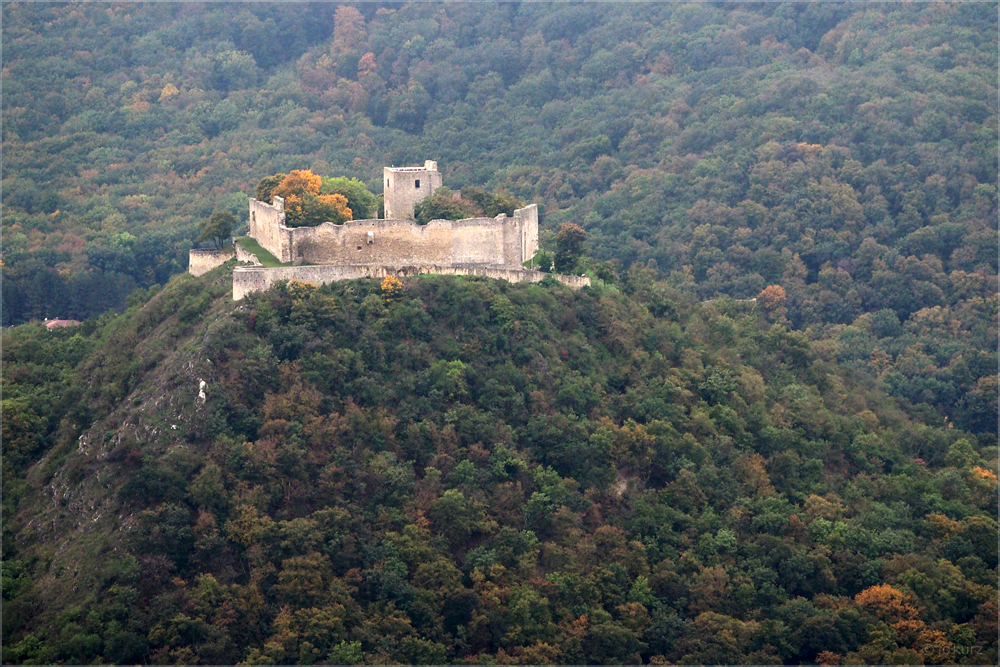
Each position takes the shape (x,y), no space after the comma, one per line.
(201,262)
(499,241)
(372,242)
(489,241)
(528,222)
(243,255)
(253,279)
(267,225)
(400,189)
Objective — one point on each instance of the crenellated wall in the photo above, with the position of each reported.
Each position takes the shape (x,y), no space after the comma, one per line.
(258,279)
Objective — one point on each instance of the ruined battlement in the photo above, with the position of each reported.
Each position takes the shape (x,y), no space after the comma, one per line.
(493,247)
(500,241)
(201,262)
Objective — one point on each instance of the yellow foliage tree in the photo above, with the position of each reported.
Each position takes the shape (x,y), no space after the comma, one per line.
(305,206)
(298,183)
(887,603)
(391,287)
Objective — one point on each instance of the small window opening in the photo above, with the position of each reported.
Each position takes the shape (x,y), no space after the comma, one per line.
(387,182)
(359,247)
(416,183)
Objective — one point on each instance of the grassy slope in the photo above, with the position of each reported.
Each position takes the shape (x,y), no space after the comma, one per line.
(266,259)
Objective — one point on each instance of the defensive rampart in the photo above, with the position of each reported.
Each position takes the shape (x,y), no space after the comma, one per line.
(201,262)
(257,279)
(500,241)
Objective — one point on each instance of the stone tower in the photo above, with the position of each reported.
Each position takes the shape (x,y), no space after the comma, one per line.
(405,186)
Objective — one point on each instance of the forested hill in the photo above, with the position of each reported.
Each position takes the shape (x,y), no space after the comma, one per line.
(462,470)
(843,152)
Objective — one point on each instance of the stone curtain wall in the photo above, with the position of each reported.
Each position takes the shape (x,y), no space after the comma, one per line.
(392,241)
(527,218)
(267,225)
(488,241)
(252,279)
(499,241)
(480,241)
(201,262)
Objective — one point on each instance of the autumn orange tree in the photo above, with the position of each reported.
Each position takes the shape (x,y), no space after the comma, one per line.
(305,206)
(773,301)
(391,287)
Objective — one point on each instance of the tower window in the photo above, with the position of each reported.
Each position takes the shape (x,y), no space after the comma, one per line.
(416,183)
(387,182)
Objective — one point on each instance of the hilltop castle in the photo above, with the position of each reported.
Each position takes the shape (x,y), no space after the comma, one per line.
(496,247)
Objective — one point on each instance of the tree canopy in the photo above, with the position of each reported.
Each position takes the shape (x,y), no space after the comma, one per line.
(455,470)
(569,247)
(363,204)
(460,470)
(304,205)
(218,228)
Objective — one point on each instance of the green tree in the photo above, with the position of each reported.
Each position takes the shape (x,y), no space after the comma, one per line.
(569,247)
(492,204)
(442,205)
(267,186)
(233,70)
(218,228)
(363,204)
(317,209)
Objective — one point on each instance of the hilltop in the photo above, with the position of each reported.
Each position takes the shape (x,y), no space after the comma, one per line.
(462,470)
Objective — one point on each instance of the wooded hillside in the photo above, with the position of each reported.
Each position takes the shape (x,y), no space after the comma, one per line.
(844,152)
(462,470)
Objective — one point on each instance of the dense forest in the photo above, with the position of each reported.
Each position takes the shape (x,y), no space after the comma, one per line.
(845,152)
(453,470)
(462,470)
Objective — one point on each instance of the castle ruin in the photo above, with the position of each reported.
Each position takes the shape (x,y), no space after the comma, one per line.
(405,187)
(500,241)
(397,245)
